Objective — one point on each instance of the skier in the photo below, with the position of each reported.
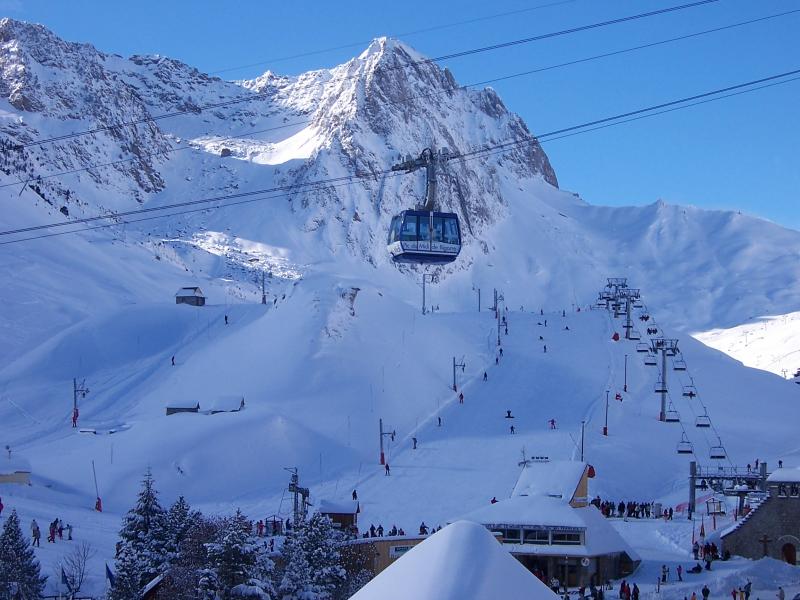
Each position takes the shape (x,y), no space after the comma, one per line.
(501,352)
(747,589)
(51,533)
(552,423)
(372,531)
(387,469)
(563,313)
(439,422)
(173,361)
(355,495)
(497,360)
(493,500)
(545,348)
(60,528)
(665,572)
(635,592)
(545,322)
(75,417)
(380,530)
(414,440)
(781,594)
(226,319)
(512,430)
(705,592)
(423,530)
(461,398)
(679,571)
(485,376)
(36,533)
(1,506)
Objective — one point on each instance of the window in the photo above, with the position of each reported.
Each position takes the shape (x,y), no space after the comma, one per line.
(566,538)
(394,230)
(536,536)
(424,229)
(438,229)
(409,231)
(451,230)
(511,536)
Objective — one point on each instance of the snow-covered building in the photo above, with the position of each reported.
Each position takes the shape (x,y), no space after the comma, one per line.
(190,295)
(344,514)
(15,470)
(549,527)
(772,527)
(182,406)
(462,560)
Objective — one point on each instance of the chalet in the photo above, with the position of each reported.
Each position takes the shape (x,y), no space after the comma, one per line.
(225,404)
(15,470)
(772,525)
(548,525)
(190,295)
(343,514)
(183,407)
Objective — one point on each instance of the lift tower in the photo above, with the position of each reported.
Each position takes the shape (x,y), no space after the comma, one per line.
(667,347)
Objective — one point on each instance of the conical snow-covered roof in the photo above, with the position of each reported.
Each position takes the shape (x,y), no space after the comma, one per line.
(460,562)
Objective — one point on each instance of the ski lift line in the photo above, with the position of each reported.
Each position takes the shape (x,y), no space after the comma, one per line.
(393,35)
(463,53)
(500,148)
(407,98)
(151,218)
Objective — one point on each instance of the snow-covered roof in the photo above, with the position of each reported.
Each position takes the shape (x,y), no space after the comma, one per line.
(189,291)
(14,464)
(600,537)
(225,403)
(340,507)
(785,475)
(463,560)
(527,510)
(183,404)
(558,478)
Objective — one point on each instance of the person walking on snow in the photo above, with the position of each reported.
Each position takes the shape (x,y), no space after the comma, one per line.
(781,594)
(414,440)
(226,319)
(545,348)
(512,430)
(705,592)
(75,417)
(387,469)
(461,398)
(439,422)
(355,495)
(501,352)
(36,534)
(173,361)
(552,423)
(679,571)
(485,376)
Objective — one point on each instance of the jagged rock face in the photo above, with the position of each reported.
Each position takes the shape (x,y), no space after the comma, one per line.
(357,118)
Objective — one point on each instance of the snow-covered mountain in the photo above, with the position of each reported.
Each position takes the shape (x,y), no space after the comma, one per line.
(341,341)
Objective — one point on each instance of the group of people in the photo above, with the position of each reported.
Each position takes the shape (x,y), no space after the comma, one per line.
(626,592)
(630,510)
(56,529)
(378,531)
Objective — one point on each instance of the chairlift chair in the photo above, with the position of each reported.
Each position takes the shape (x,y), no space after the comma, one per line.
(650,360)
(685,446)
(634,335)
(690,391)
(672,415)
(703,421)
(660,387)
(642,347)
(718,452)
(679,364)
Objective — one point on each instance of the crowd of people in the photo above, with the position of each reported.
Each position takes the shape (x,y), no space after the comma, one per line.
(55,530)
(379,531)
(630,509)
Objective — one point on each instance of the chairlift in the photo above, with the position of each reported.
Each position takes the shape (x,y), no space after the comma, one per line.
(679,364)
(718,452)
(650,360)
(638,304)
(634,335)
(642,347)
(660,387)
(689,391)
(685,446)
(672,415)
(703,421)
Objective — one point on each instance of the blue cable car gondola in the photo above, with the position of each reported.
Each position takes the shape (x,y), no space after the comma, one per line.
(419,236)
(425,235)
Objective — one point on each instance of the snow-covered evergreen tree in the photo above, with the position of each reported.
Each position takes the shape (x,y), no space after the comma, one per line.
(320,543)
(143,537)
(240,565)
(127,578)
(18,566)
(179,520)
(295,581)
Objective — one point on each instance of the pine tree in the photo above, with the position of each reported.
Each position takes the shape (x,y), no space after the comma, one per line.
(18,566)
(143,537)
(127,579)
(295,582)
(321,545)
(179,520)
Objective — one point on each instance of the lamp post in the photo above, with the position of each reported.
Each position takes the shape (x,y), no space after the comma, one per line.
(605,427)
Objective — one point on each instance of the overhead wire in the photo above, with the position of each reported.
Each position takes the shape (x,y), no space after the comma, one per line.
(472,51)
(348,179)
(410,97)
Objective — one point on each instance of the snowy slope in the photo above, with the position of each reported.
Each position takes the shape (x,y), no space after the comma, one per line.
(341,342)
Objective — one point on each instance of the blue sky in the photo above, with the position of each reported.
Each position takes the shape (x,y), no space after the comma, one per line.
(740,153)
